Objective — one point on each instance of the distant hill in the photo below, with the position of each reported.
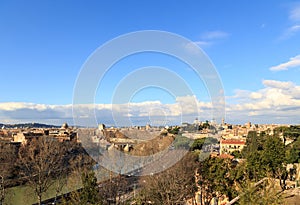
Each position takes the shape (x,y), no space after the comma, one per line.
(28,125)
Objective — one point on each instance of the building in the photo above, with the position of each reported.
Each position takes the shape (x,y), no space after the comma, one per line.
(24,137)
(229,145)
(101,127)
(65,126)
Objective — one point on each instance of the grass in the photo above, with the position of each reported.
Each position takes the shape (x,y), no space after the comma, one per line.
(24,195)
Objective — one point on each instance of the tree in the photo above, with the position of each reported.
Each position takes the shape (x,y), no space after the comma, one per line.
(260,193)
(39,162)
(293,152)
(90,191)
(292,132)
(7,167)
(2,191)
(87,194)
(112,190)
(253,143)
(255,169)
(198,143)
(80,166)
(60,181)
(181,142)
(273,154)
(236,154)
(265,157)
(8,157)
(215,179)
(173,186)
(174,130)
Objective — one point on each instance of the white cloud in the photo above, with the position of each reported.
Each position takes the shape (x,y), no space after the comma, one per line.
(289,32)
(295,28)
(212,35)
(295,13)
(202,43)
(278,84)
(193,47)
(294,16)
(293,62)
(185,108)
(278,102)
(256,95)
(207,39)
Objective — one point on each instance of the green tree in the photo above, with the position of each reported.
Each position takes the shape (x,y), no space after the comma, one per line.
(198,143)
(261,193)
(88,194)
(273,154)
(90,191)
(215,179)
(293,152)
(254,168)
(237,154)
(181,142)
(253,143)
(174,130)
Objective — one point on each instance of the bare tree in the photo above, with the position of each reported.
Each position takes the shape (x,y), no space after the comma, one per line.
(7,167)
(113,189)
(7,159)
(40,161)
(173,186)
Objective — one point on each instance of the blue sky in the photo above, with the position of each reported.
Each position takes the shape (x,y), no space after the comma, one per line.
(254,46)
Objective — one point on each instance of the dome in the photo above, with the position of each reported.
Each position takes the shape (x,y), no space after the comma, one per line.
(64,126)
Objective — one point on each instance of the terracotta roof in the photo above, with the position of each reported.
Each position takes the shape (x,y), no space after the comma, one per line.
(233,141)
(225,156)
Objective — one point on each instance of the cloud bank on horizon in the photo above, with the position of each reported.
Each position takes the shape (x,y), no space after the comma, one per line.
(277,102)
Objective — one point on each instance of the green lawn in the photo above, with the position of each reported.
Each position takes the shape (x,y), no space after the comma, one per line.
(24,195)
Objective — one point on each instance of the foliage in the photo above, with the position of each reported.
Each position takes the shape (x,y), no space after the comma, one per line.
(215,179)
(174,130)
(292,132)
(253,143)
(293,152)
(90,192)
(181,142)
(237,154)
(265,156)
(273,154)
(205,125)
(254,168)
(264,193)
(198,143)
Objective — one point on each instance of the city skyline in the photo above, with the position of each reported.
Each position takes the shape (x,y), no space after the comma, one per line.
(252,45)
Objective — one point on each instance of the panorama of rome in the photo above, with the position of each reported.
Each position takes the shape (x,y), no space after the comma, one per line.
(155,102)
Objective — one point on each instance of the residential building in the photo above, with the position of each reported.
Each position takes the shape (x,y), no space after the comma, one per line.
(229,145)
